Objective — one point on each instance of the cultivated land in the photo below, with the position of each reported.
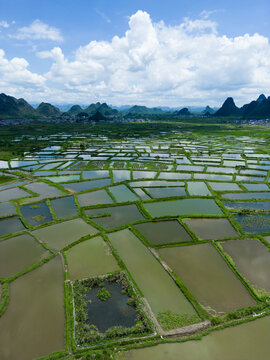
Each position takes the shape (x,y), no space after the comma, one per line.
(127,241)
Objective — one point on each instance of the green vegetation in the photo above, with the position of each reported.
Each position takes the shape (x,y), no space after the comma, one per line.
(168,320)
(103,294)
(222,155)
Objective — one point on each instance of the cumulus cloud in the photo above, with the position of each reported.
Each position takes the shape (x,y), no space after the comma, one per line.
(156,64)
(16,79)
(38,30)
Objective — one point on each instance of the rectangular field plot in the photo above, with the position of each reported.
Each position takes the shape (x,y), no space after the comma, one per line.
(112,217)
(247,195)
(163,232)
(97,197)
(37,305)
(255,205)
(90,258)
(166,192)
(252,259)
(7,208)
(14,193)
(256,223)
(87,185)
(123,194)
(11,225)
(18,253)
(183,207)
(198,188)
(208,277)
(155,283)
(211,228)
(64,207)
(226,344)
(60,235)
(224,186)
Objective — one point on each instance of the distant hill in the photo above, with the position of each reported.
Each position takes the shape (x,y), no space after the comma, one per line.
(10,107)
(97,116)
(208,111)
(48,110)
(259,109)
(228,108)
(75,110)
(144,110)
(183,112)
(256,109)
(104,109)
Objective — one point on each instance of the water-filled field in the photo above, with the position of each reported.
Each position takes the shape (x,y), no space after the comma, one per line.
(182,219)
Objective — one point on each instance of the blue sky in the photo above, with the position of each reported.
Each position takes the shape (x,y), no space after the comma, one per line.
(62,51)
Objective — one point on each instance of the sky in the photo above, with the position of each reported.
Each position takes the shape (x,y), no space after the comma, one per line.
(155,53)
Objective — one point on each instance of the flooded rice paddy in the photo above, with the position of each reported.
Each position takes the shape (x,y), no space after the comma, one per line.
(208,277)
(158,287)
(187,218)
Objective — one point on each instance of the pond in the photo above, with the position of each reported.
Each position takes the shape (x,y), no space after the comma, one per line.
(115,216)
(190,168)
(36,214)
(7,208)
(254,223)
(252,259)
(256,187)
(58,236)
(183,207)
(120,175)
(141,194)
(95,174)
(90,258)
(14,193)
(163,232)
(158,287)
(156,183)
(18,253)
(211,228)
(213,177)
(208,277)
(94,198)
(221,186)
(87,185)
(197,188)
(11,225)
(118,312)
(44,190)
(143,174)
(64,207)
(247,195)
(63,178)
(166,192)
(40,293)
(122,193)
(258,205)
(219,169)
(227,344)
(173,176)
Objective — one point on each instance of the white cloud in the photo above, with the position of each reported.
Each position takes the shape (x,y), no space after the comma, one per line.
(16,79)
(205,14)
(156,64)
(5,24)
(38,30)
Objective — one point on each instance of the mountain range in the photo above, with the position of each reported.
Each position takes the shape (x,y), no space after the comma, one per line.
(12,108)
